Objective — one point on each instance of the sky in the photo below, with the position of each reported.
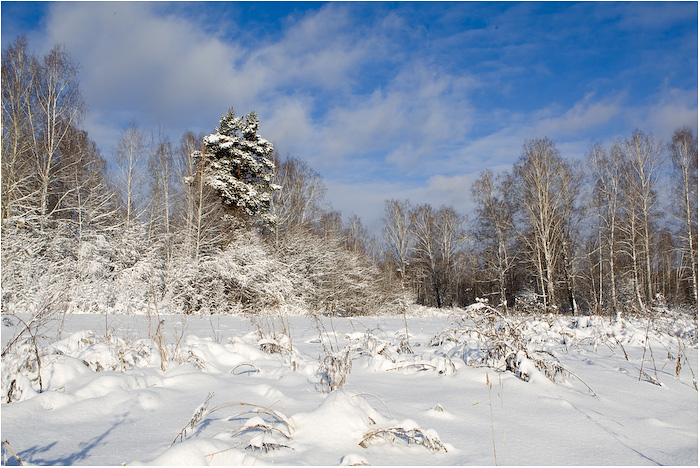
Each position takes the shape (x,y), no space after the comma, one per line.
(404,100)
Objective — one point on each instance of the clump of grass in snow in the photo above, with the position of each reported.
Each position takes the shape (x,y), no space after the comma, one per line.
(275,337)
(264,434)
(248,368)
(429,438)
(157,335)
(334,368)
(406,432)
(194,420)
(261,430)
(336,363)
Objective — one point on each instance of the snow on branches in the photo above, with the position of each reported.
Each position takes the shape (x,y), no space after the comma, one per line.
(237,163)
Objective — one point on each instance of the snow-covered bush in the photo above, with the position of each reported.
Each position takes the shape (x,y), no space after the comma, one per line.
(484,336)
(243,277)
(326,277)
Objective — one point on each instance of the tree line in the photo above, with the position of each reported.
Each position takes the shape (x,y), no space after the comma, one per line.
(551,236)
(222,223)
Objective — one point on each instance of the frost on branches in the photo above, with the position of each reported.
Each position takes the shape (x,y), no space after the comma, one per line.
(237,163)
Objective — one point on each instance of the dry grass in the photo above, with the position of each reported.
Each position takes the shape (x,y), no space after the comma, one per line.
(503,345)
(681,352)
(334,368)
(261,431)
(336,363)
(414,436)
(196,418)
(275,337)
(9,448)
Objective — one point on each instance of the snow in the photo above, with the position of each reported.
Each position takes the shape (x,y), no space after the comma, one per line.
(106,399)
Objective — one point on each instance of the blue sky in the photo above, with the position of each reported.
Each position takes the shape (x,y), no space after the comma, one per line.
(385,100)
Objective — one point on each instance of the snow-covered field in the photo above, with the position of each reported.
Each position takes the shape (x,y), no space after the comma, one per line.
(234,390)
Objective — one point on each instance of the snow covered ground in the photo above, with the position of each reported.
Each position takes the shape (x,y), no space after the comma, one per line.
(234,390)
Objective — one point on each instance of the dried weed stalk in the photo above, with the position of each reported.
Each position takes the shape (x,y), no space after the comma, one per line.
(196,418)
(336,363)
(263,428)
(9,448)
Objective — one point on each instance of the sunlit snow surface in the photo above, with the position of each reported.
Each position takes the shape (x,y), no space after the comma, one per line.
(108,402)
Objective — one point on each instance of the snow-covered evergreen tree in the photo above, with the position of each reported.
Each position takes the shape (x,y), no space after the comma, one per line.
(238,164)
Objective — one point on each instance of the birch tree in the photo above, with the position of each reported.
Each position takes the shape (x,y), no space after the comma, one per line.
(684,155)
(355,235)
(162,174)
(451,236)
(546,189)
(201,214)
(298,202)
(608,173)
(19,187)
(495,228)
(426,254)
(60,106)
(88,198)
(130,154)
(643,159)
(398,236)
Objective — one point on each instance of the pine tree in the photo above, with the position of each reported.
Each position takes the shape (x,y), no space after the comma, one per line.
(237,163)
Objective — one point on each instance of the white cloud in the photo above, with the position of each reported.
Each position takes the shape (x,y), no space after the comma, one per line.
(669,110)
(586,115)
(411,120)
(650,15)
(318,51)
(454,190)
(289,122)
(157,68)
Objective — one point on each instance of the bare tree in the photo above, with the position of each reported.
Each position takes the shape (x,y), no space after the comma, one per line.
(572,215)
(643,158)
(297,203)
(398,235)
(451,237)
(608,190)
(88,198)
(426,250)
(60,105)
(495,228)
(201,212)
(130,155)
(547,187)
(355,235)
(331,225)
(162,173)
(19,187)
(684,155)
